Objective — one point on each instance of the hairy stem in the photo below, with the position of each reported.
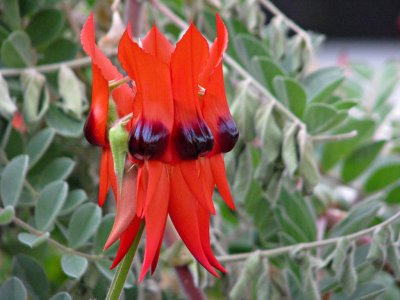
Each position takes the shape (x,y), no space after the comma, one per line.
(311,245)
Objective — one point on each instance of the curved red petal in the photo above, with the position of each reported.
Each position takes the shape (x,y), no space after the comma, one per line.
(191,135)
(156,44)
(126,240)
(155,181)
(217,51)
(155,111)
(217,115)
(156,217)
(218,171)
(204,228)
(182,210)
(193,174)
(141,189)
(156,257)
(126,207)
(123,95)
(95,129)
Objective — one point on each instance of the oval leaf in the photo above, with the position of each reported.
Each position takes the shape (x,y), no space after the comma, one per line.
(83,224)
(382,177)
(7,215)
(32,240)
(12,180)
(74,266)
(51,200)
(38,145)
(13,289)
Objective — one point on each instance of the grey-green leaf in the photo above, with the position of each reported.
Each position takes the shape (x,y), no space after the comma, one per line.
(244,175)
(291,93)
(16,50)
(7,105)
(360,159)
(51,200)
(38,145)
(289,149)
(36,95)
(13,289)
(74,199)
(58,169)
(63,124)
(266,71)
(12,180)
(70,91)
(7,215)
(83,224)
(74,266)
(103,233)
(32,275)
(61,296)
(320,117)
(32,240)
(382,177)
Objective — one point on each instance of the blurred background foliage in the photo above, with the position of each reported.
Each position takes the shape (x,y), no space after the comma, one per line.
(317,163)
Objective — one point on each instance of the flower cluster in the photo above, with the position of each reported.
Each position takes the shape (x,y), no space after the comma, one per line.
(180,128)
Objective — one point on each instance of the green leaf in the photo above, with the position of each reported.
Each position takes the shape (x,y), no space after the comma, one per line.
(359,217)
(340,254)
(103,233)
(58,169)
(70,90)
(74,266)
(247,46)
(7,105)
(83,224)
(32,276)
(38,145)
(36,95)
(291,93)
(289,149)
(293,286)
(348,275)
(392,196)
(308,167)
(364,291)
(244,175)
(62,123)
(388,81)
(12,180)
(335,151)
(61,296)
(270,133)
(243,110)
(50,202)
(251,269)
(362,69)
(45,26)
(13,289)
(7,215)
(10,14)
(322,83)
(32,240)
(393,255)
(74,199)
(378,249)
(360,160)
(61,49)
(320,117)
(382,177)
(266,71)
(16,50)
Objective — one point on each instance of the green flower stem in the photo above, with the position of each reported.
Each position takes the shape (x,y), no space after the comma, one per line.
(123,268)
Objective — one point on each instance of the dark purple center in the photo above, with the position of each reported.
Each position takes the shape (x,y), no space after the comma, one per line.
(193,140)
(228,134)
(148,139)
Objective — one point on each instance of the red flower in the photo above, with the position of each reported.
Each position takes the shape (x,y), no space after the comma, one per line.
(176,138)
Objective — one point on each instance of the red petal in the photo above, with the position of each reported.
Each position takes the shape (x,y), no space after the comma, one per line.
(182,210)
(193,175)
(156,44)
(126,240)
(204,227)
(156,257)
(218,170)
(217,115)
(155,181)
(156,217)
(96,124)
(126,207)
(104,184)
(112,177)
(191,135)
(217,51)
(153,83)
(141,189)
(123,95)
